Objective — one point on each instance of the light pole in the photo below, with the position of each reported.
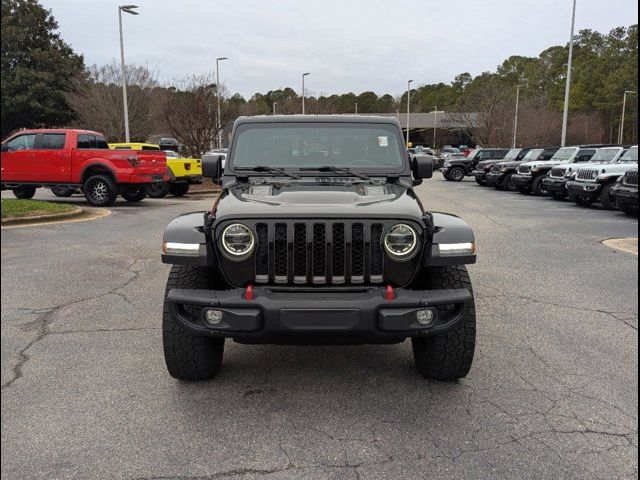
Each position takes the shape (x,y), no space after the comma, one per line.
(131,9)
(356,108)
(303,75)
(567,87)
(408,108)
(435,124)
(274,107)
(515,118)
(624,108)
(219,123)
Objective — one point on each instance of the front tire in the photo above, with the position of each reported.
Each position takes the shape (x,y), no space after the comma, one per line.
(456,174)
(178,189)
(100,190)
(24,192)
(606,196)
(537,187)
(558,195)
(62,191)
(158,190)
(189,356)
(134,195)
(447,356)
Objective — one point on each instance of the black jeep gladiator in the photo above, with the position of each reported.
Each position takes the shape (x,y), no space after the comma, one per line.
(318,237)
(456,169)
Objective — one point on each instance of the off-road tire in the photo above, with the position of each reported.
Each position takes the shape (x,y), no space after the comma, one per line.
(178,189)
(447,356)
(558,196)
(189,356)
(24,192)
(607,199)
(62,191)
(583,201)
(506,184)
(456,174)
(134,195)
(537,188)
(100,190)
(158,190)
(629,210)
(482,183)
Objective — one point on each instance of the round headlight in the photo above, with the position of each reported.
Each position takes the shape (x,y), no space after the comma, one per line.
(401,241)
(237,241)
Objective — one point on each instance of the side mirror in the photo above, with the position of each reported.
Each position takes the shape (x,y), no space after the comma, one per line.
(212,166)
(422,167)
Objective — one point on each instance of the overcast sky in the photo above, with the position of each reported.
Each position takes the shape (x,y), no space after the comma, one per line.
(347,45)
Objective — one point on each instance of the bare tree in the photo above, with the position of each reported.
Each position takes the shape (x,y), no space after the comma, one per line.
(97,100)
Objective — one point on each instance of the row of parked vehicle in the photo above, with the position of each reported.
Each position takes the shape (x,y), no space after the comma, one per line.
(586,174)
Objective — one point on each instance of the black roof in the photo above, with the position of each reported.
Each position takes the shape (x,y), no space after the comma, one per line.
(318,119)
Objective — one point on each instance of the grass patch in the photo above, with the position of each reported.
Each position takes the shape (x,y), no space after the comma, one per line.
(14,208)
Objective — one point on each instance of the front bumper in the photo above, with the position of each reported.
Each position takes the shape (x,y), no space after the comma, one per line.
(190,179)
(143,178)
(522,180)
(480,175)
(360,314)
(555,185)
(583,189)
(625,194)
(495,178)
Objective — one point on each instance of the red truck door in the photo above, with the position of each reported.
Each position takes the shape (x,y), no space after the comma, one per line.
(53,157)
(19,159)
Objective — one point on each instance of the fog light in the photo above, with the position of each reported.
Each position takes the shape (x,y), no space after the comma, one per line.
(213,317)
(425,317)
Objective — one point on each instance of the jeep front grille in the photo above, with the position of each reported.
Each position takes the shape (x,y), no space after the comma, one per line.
(630,178)
(524,169)
(558,172)
(322,252)
(586,174)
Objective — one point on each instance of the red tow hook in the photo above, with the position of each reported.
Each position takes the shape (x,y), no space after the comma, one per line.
(390,295)
(248,294)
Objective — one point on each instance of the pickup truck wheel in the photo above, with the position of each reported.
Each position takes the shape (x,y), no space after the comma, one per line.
(24,192)
(62,191)
(189,356)
(456,174)
(158,190)
(537,187)
(100,190)
(629,210)
(583,201)
(134,195)
(178,189)
(606,196)
(507,183)
(482,183)
(447,356)
(558,195)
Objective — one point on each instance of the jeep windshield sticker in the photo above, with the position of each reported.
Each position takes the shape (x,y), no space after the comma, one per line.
(383,141)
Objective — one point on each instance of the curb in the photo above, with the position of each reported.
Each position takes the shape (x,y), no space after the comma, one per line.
(203,192)
(42,218)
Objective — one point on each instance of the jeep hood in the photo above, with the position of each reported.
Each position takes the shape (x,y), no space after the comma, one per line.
(316,199)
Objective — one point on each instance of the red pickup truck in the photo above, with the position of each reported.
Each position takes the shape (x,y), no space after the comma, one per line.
(78,159)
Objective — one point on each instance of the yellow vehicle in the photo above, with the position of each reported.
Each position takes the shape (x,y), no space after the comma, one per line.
(183,171)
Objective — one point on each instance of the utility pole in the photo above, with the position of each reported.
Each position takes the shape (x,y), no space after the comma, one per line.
(624,108)
(515,119)
(356,108)
(567,87)
(303,94)
(274,107)
(219,122)
(408,108)
(435,124)
(130,9)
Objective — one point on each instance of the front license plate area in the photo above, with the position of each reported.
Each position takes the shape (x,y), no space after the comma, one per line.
(320,319)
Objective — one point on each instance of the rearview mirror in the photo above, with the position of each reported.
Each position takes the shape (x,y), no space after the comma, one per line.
(422,167)
(212,166)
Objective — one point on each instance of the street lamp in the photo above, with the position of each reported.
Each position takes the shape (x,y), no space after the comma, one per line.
(219,123)
(435,124)
(515,118)
(356,108)
(408,107)
(303,75)
(624,108)
(567,87)
(130,9)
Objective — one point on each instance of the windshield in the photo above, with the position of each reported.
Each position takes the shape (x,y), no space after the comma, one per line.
(512,154)
(473,154)
(564,153)
(171,154)
(532,154)
(308,145)
(630,156)
(604,155)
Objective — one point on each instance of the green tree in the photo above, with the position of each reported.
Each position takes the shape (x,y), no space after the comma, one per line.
(37,68)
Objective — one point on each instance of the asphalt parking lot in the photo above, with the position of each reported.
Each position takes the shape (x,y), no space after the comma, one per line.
(552,392)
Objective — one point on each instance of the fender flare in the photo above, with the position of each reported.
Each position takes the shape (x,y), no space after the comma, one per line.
(448,229)
(100,164)
(188,231)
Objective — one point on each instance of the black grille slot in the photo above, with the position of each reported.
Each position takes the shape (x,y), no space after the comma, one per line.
(630,178)
(337,254)
(319,253)
(376,253)
(262,253)
(280,253)
(357,253)
(300,253)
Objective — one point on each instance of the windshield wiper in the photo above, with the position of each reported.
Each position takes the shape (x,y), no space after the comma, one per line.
(330,168)
(264,168)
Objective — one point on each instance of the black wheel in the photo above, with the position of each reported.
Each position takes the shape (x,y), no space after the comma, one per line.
(189,356)
(456,174)
(134,194)
(507,183)
(607,198)
(558,195)
(158,189)
(537,187)
(178,189)
(583,201)
(482,183)
(62,191)
(24,192)
(100,190)
(447,356)
(629,210)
